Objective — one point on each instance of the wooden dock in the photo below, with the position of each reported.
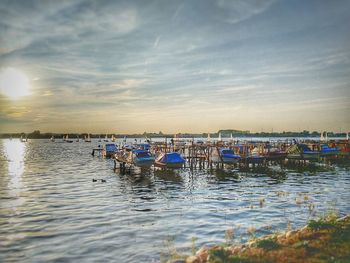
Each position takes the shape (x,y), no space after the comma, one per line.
(200,155)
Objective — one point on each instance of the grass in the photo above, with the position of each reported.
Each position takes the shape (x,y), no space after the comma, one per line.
(268,244)
(324,240)
(326,222)
(220,255)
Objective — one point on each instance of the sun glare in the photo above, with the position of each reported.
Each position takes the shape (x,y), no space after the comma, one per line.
(13,83)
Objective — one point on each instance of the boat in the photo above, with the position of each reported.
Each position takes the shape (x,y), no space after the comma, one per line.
(170,160)
(66,139)
(109,150)
(23,139)
(112,138)
(87,138)
(78,139)
(302,151)
(275,153)
(52,139)
(138,155)
(225,155)
(142,158)
(142,146)
(254,156)
(208,138)
(327,150)
(105,139)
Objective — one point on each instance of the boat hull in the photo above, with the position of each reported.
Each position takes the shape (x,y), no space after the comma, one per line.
(230,160)
(169,165)
(145,163)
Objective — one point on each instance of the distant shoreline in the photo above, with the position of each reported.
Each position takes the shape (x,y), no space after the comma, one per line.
(224,134)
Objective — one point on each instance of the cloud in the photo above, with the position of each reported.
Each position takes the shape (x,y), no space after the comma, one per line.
(241,10)
(169,63)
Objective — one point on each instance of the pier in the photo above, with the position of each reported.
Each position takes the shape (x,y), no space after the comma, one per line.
(252,155)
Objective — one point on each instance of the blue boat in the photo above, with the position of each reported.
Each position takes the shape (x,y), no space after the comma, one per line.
(326,150)
(142,146)
(303,152)
(170,160)
(228,156)
(142,158)
(109,150)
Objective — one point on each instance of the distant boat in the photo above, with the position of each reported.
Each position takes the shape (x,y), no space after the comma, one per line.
(219,138)
(78,139)
(52,139)
(170,160)
(106,138)
(24,139)
(208,138)
(66,139)
(87,138)
(113,138)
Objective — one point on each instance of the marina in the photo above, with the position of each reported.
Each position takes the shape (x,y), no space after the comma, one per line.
(196,154)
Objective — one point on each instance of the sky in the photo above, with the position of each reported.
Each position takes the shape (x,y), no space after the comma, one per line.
(174,66)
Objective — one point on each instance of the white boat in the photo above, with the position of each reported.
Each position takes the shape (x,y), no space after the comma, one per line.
(52,139)
(105,139)
(66,139)
(113,138)
(87,138)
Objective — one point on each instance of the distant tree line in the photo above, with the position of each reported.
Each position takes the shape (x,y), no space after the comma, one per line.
(224,134)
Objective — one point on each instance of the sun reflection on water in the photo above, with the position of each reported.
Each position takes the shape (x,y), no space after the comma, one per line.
(14,151)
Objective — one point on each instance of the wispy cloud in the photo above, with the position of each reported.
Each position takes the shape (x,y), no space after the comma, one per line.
(166,64)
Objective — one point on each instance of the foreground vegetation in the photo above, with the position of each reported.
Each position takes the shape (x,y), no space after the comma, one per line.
(323,240)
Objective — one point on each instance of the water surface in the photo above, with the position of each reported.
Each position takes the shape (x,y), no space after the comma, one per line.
(51,210)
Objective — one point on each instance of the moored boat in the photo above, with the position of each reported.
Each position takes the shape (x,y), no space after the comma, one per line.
(170,160)
(225,155)
(275,154)
(302,151)
(109,150)
(327,150)
(142,158)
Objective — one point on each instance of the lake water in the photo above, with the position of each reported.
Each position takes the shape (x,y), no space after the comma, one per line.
(51,210)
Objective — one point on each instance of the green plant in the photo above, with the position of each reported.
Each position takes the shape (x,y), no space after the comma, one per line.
(220,255)
(268,244)
(193,245)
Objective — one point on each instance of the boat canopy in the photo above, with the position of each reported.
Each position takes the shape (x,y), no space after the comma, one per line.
(111,147)
(142,153)
(143,146)
(172,158)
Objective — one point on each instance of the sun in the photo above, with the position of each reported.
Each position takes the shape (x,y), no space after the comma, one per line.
(13,83)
